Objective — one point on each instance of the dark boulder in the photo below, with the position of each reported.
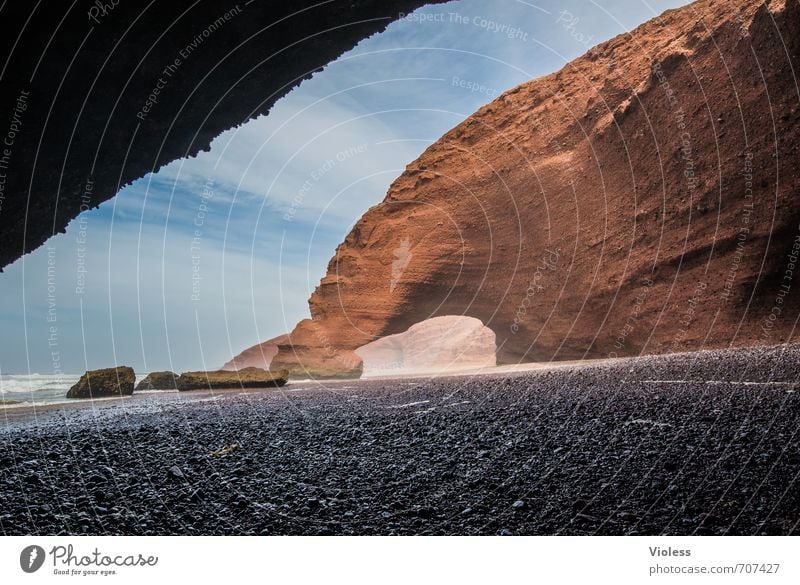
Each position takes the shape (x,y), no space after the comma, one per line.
(102,383)
(244,378)
(159,381)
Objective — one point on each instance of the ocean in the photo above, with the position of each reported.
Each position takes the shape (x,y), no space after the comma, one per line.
(34,389)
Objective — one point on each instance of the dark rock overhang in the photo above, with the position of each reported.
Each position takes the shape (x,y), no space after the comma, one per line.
(97,94)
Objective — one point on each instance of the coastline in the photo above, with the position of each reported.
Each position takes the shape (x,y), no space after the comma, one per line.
(682,444)
(24,410)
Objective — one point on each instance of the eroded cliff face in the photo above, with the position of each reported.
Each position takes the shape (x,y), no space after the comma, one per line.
(641,200)
(95,95)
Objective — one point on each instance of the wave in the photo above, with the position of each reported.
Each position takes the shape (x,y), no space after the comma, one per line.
(35,383)
(38,383)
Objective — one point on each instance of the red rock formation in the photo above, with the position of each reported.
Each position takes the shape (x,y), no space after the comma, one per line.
(258,356)
(310,352)
(641,200)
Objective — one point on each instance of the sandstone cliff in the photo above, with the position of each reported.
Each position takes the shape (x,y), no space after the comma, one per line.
(641,200)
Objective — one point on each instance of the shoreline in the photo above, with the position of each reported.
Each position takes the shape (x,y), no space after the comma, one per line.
(24,409)
(144,399)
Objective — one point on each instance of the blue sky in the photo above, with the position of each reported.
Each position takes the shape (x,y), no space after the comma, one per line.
(212,254)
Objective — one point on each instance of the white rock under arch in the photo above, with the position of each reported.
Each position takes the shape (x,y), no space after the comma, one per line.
(440,344)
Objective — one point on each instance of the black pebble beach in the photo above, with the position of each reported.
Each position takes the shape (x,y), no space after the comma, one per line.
(698,443)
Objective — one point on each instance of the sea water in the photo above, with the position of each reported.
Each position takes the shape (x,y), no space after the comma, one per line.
(34,389)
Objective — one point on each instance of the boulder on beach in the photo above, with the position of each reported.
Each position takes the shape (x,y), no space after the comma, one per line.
(159,381)
(103,383)
(221,379)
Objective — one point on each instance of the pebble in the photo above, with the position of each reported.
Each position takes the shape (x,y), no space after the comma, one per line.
(176,472)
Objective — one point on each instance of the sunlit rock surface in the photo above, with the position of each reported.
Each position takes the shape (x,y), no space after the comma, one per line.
(435,345)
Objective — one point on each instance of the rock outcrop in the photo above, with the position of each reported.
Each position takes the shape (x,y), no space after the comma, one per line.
(107,92)
(159,381)
(258,356)
(641,200)
(104,383)
(309,352)
(434,345)
(220,379)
